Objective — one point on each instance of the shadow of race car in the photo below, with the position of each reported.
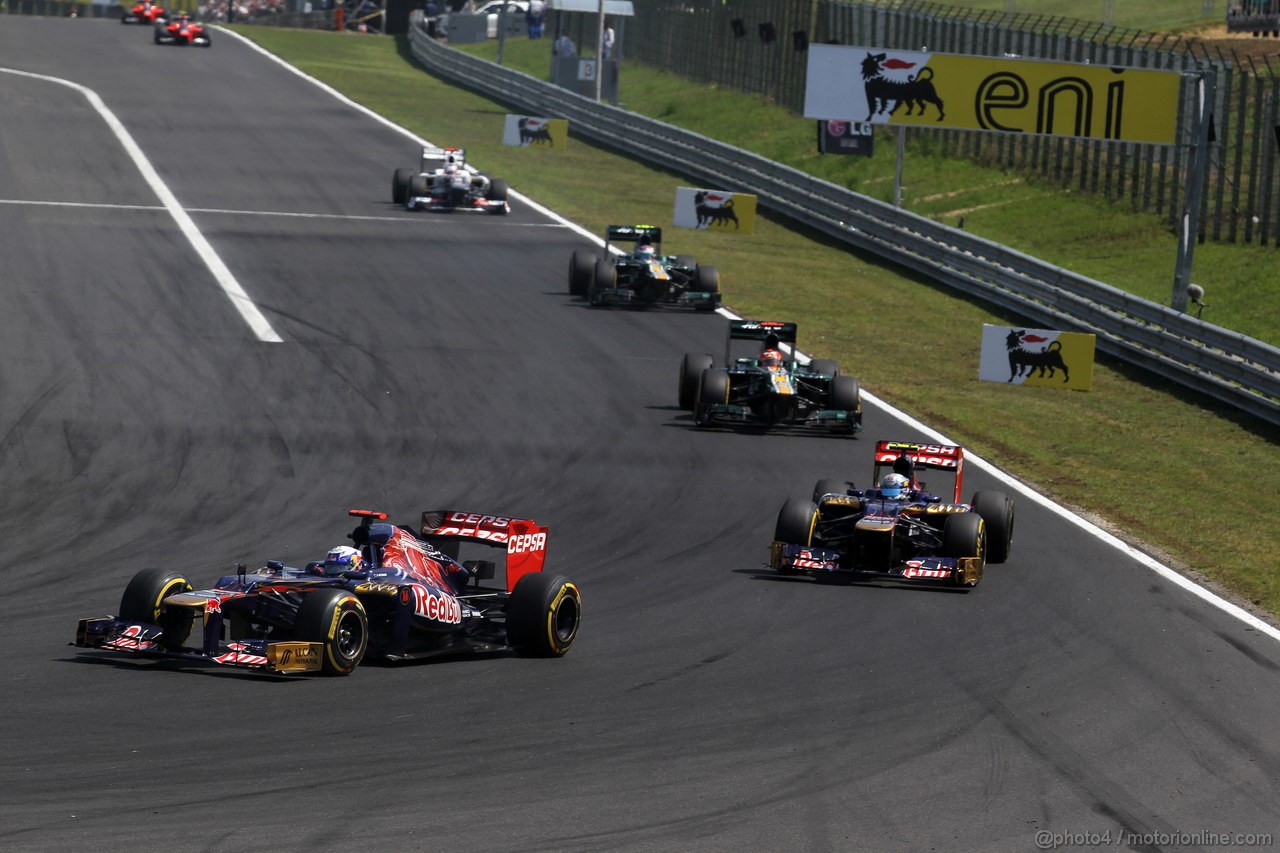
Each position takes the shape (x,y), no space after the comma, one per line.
(182,31)
(644,276)
(396,593)
(766,389)
(897,531)
(444,182)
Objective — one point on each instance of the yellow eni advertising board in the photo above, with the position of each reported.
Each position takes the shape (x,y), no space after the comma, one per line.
(991,93)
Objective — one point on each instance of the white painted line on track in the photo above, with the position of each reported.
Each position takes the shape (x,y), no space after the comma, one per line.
(349,217)
(248,310)
(1084,524)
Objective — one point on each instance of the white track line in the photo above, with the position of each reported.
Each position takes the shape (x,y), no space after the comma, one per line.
(1084,524)
(248,310)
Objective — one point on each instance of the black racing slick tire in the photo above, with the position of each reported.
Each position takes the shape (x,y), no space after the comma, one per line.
(336,619)
(797,521)
(147,591)
(996,509)
(418,186)
(142,601)
(582,266)
(829,366)
(830,487)
(713,388)
(691,368)
(964,535)
(543,615)
(400,185)
(707,280)
(845,394)
(497,190)
(604,277)
(685,261)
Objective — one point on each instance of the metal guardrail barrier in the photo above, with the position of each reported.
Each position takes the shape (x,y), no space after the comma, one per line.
(1222,364)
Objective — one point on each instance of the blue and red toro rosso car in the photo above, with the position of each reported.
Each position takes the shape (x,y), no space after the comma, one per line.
(897,530)
(396,593)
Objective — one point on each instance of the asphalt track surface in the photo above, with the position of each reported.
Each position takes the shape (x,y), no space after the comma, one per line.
(436,361)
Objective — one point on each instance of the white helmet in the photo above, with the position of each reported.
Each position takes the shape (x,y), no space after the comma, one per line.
(894,486)
(451,169)
(341,559)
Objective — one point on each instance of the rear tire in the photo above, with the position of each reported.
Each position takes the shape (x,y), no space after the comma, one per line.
(829,366)
(691,367)
(582,266)
(400,185)
(543,615)
(996,509)
(830,486)
(685,261)
(335,618)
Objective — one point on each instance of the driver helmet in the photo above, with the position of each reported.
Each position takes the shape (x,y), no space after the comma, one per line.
(645,252)
(451,169)
(770,358)
(341,559)
(894,486)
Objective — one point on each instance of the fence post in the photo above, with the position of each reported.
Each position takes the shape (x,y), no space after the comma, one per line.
(1188,231)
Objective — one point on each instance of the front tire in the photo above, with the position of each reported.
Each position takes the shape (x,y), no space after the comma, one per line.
(335,618)
(996,509)
(603,278)
(713,389)
(797,521)
(543,615)
(830,487)
(400,185)
(147,591)
(691,368)
(582,266)
(829,366)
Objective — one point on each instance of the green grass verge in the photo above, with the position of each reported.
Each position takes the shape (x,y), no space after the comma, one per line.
(1192,480)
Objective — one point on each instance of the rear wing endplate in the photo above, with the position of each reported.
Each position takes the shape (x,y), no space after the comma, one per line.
(524,540)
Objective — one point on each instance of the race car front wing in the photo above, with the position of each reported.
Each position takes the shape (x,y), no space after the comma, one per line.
(143,640)
(958,571)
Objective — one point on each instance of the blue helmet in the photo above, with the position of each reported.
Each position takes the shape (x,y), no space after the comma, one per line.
(894,486)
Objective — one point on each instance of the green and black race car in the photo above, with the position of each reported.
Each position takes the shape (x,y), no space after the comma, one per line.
(769,389)
(644,276)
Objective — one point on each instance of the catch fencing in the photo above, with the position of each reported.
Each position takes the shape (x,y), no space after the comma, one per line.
(761,46)
(1222,364)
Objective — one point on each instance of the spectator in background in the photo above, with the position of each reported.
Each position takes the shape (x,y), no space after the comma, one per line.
(533,17)
(606,47)
(563,46)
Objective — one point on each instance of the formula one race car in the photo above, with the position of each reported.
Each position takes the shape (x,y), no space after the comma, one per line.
(644,276)
(768,389)
(897,531)
(395,593)
(143,13)
(183,31)
(451,185)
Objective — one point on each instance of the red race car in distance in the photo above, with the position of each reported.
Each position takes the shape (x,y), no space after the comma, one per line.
(145,12)
(182,30)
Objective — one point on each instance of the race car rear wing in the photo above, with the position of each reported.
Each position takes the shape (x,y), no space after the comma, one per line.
(633,234)
(771,333)
(525,540)
(433,154)
(905,457)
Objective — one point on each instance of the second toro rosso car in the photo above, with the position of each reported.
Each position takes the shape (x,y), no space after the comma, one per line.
(443,182)
(898,530)
(182,31)
(768,389)
(642,277)
(395,593)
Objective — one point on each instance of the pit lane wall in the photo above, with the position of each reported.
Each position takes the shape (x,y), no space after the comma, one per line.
(1227,366)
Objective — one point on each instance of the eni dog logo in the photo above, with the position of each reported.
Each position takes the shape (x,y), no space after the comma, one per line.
(1037,357)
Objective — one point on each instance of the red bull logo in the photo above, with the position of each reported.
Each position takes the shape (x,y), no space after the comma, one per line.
(431,605)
